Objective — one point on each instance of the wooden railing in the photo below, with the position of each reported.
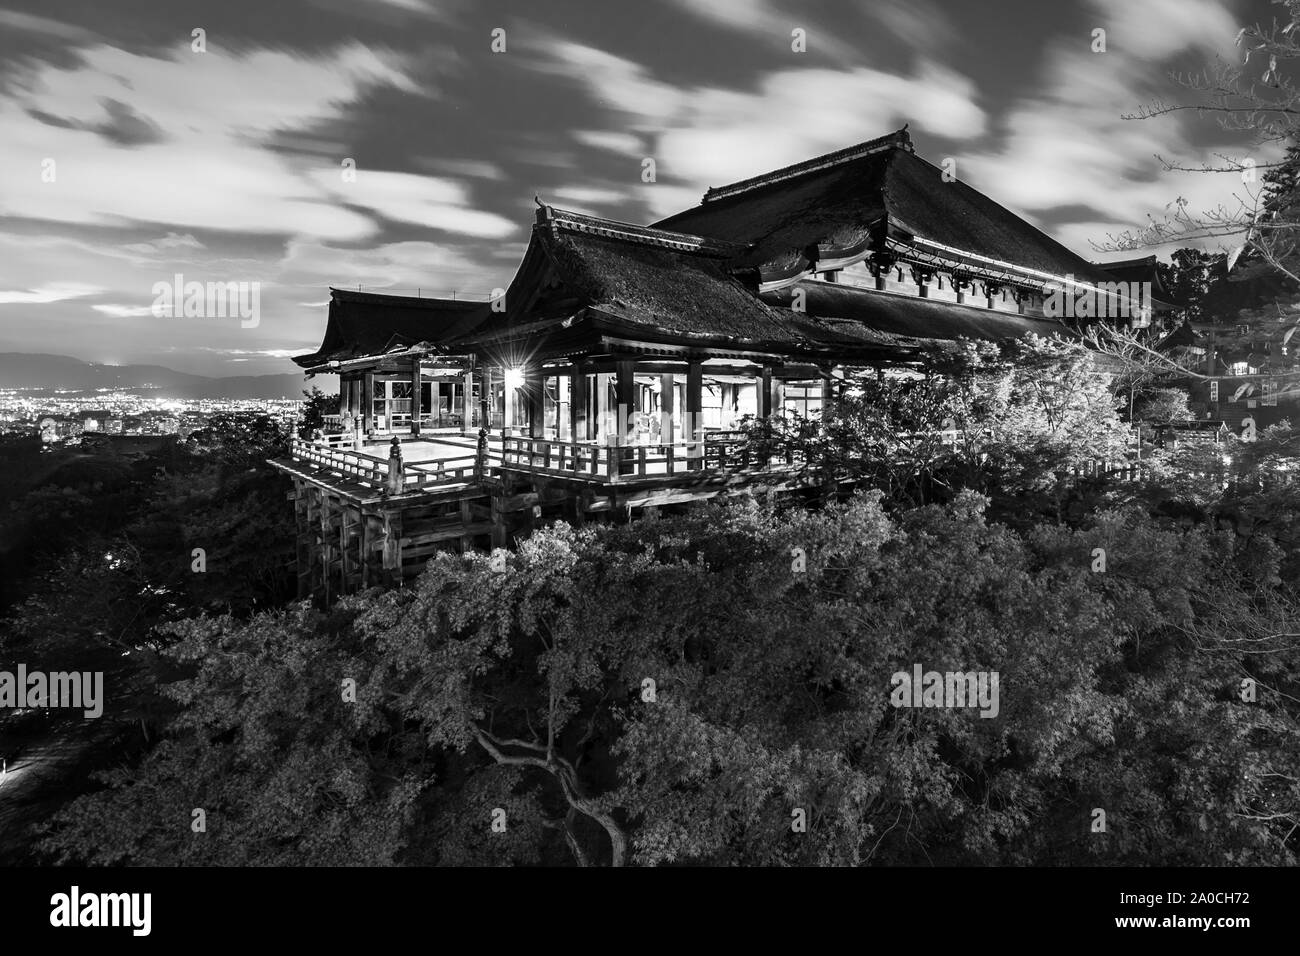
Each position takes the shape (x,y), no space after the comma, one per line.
(615,463)
(378,472)
(402,420)
(719,452)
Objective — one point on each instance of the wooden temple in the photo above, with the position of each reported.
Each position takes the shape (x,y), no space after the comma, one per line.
(613,372)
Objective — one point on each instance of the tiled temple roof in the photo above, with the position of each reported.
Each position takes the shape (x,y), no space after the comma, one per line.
(370,323)
(707,274)
(835,202)
(645,280)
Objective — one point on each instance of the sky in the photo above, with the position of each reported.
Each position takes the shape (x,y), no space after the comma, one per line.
(386,145)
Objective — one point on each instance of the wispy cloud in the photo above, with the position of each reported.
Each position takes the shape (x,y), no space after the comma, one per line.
(46,294)
(123,311)
(430,201)
(190,149)
(1066,151)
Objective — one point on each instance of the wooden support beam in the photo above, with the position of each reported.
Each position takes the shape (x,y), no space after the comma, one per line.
(345,565)
(326,549)
(667,396)
(508,422)
(415,396)
(606,423)
(302,528)
(765,393)
(578,401)
(457,533)
(629,406)
(467,402)
(392,545)
(500,530)
(693,429)
(625,384)
(485,396)
(467,519)
(535,397)
(368,522)
(368,403)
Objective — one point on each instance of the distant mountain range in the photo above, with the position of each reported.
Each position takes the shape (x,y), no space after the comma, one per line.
(50,372)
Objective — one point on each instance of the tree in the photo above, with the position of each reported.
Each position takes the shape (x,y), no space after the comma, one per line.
(1187,277)
(280,767)
(715,688)
(1259,225)
(314,410)
(1009,422)
(1161,405)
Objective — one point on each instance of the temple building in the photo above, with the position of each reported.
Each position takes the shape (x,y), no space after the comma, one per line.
(610,373)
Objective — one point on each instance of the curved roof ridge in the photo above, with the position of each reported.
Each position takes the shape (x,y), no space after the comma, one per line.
(899,139)
(569,221)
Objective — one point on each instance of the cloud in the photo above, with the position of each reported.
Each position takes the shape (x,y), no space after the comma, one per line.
(710,135)
(265,353)
(1070,162)
(13,20)
(916,24)
(1159,29)
(45,294)
(173,240)
(611,140)
(435,202)
(121,125)
(770,21)
(191,149)
(463,168)
(118,311)
(436,269)
(588,195)
(621,85)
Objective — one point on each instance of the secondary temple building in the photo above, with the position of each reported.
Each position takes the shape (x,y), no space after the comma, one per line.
(612,372)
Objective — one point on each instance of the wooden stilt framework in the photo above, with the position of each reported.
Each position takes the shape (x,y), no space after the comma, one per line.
(345,544)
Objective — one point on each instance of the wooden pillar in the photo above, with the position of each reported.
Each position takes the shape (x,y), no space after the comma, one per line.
(508,421)
(396,483)
(629,398)
(604,428)
(500,532)
(467,402)
(578,401)
(828,392)
(326,548)
(391,536)
(466,542)
(667,388)
(415,396)
(485,397)
(367,402)
(694,422)
(629,401)
(765,392)
(367,540)
(535,394)
(302,526)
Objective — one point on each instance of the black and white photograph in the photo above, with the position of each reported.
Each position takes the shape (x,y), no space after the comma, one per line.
(750,435)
